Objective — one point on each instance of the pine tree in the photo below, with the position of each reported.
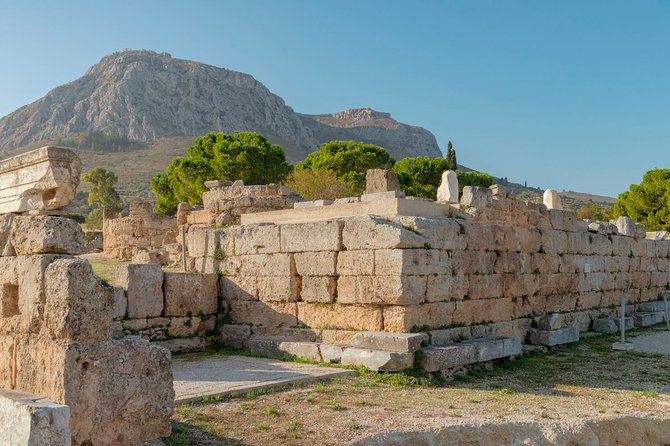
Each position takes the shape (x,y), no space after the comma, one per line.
(451,156)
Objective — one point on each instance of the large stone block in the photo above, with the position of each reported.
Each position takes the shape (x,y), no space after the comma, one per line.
(445,357)
(394,342)
(370,232)
(647,319)
(438,232)
(318,289)
(389,262)
(447,288)
(378,360)
(272,314)
(407,318)
(550,338)
(189,294)
(356,263)
(563,220)
(488,310)
(478,197)
(495,347)
(278,288)
(381,180)
(321,263)
(383,290)
(42,179)
(143,285)
(257,239)
(304,237)
(30,420)
(41,234)
(238,287)
(349,317)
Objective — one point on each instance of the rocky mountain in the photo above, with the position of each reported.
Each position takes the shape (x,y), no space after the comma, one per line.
(146,96)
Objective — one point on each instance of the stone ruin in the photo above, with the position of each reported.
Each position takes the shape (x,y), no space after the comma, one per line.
(57,337)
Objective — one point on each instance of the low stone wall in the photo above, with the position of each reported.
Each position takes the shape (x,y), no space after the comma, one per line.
(57,338)
(495,262)
(141,229)
(27,419)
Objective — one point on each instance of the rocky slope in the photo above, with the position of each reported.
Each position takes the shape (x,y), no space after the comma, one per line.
(145,96)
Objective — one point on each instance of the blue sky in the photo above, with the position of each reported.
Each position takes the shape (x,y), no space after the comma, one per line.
(572,95)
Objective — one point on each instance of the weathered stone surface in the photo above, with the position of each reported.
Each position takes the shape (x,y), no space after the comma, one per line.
(272,314)
(552,200)
(652,306)
(380,180)
(42,179)
(628,322)
(349,317)
(394,342)
(647,319)
(446,357)
(311,204)
(257,239)
(120,303)
(30,420)
(321,236)
(41,234)
(356,263)
(320,263)
(380,196)
(277,348)
(278,288)
(318,289)
(550,338)
(605,325)
(377,360)
(497,347)
(235,335)
(478,197)
(143,285)
(553,321)
(331,353)
(448,190)
(189,293)
(626,226)
(376,233)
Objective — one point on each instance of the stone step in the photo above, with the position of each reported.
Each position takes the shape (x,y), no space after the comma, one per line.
(647,319)
(378,360)
(467,352)
(651,307)
(394,342)
(611,324)
(276,348)
(550,338)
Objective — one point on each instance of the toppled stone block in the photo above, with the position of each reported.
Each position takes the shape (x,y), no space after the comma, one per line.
(189,294)
(381,180)
(647,319)
(394,342)
(448,356)
(552,200)
(550,338)
(30,420)
(42,179)
(651,307)
(378,360)
(601,227)
(371,232)
(628,322)
(605,325)
(495,347)
(41,234)
(448,190)
(552,321)
(478,197)
(331,353)
(143,285)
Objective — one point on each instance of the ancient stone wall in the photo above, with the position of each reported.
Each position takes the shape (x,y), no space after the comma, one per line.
(57,338)
(489,261)
(142,229)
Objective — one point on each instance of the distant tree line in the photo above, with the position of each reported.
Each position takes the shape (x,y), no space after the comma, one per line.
(101,142)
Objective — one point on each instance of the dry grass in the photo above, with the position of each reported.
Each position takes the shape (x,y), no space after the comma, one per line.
(584,381)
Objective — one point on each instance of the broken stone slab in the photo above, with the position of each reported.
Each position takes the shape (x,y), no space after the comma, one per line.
(605,325)
(552,321)
(394,342)
(31,420)
(651,306)
(478,197)
(42,179)
(331,353)
(495,347)
(550,338)
(626,226)
(647,319)
(601,227)
(382,195)
(448,190)
(378,360)
(552,200)
(449,356)
(381,180)
(42,234)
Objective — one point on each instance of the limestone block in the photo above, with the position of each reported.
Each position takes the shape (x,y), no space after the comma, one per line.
(77,306)
(356,263)
(438,232)
(312,204)
(496,347)
(330,353)
(119,392)
(447,288)
(370,232)
(272,314)
(651,307)
(622,246)
(286,333)
(238,287)
(377,360)
(319,236)
(209,243)
(266,265)
(446,357)
(448,190)
(563,220)
(143,285)
(320,263)
(350,317)
(486,286)
(476,311)
(605,325)
(478,197)
(444,336)
(394,342)
(120,303)
(6,248)
(554,242)
(513,262)
(550,338)
(380,180)
(586,301)
(403,319)
(378,196)
(553,321)
(182,327)
(318,289)
(235,336)
(278,288)
(625,226)
(600,245)
(390,262)
(552,200)
(523,239)
(189,294)
(42,179)
(519,285)
(384,290)
(41,234)
(30,420)
(276,348)
(257,239)
(647,319)
(339,337)
(473,262)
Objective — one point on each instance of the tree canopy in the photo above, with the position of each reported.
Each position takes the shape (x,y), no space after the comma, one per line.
(102,194)
(451,156)
(245,156)
(348,160)
(421,176)
(472,178)
(647,203)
